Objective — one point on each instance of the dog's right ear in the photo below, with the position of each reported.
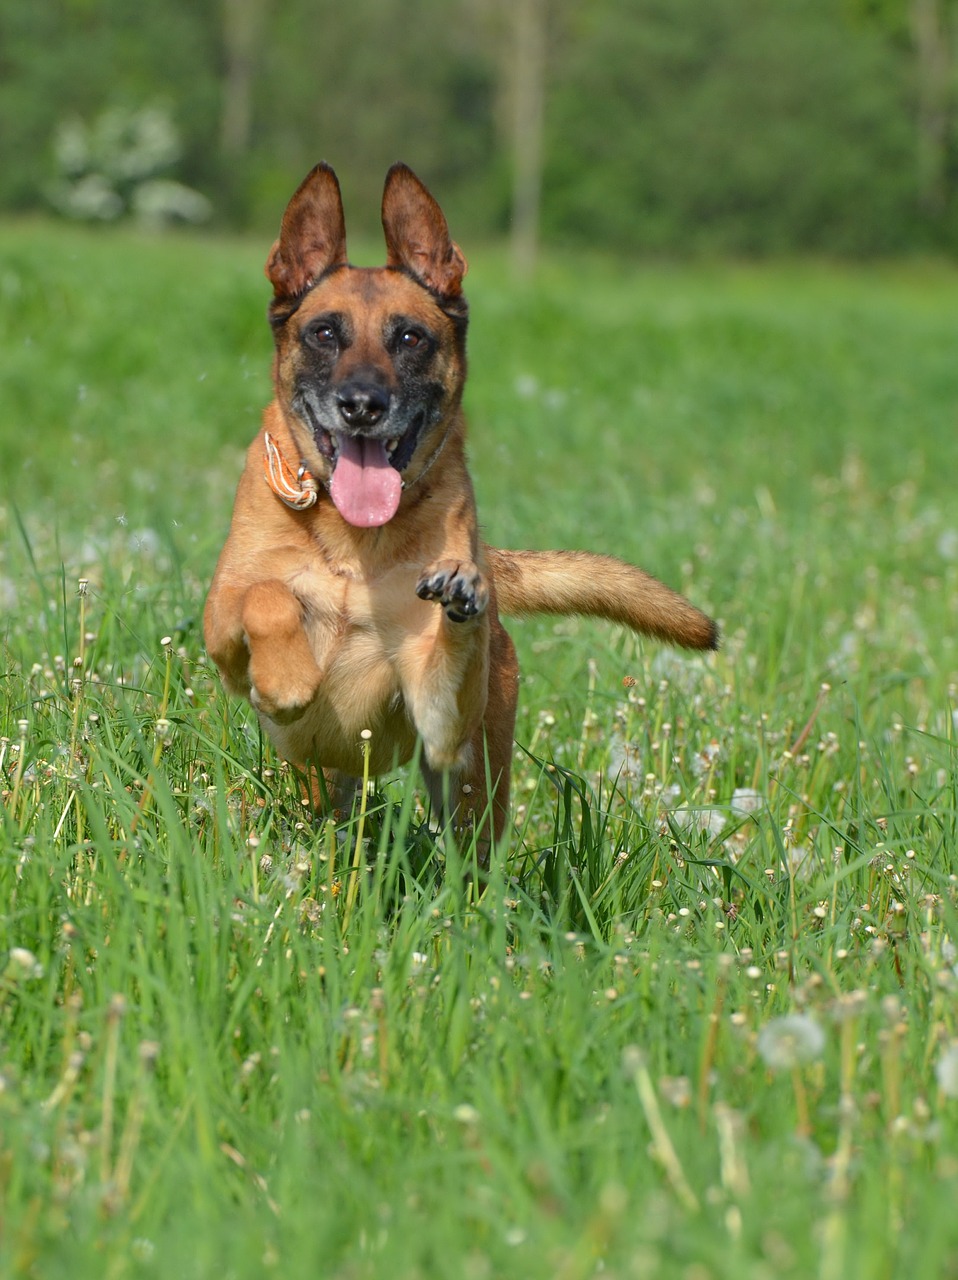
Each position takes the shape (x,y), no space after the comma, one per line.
(312,237)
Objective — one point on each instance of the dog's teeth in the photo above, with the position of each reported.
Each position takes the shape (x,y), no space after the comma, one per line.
(392,445)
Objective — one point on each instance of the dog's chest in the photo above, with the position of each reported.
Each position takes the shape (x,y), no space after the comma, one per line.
(351,618)
(361,632)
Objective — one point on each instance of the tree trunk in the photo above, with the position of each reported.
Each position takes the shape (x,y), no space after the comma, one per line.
(932,38)
(242,25)
(528,103)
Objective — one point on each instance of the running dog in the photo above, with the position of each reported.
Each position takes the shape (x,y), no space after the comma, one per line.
(354,592)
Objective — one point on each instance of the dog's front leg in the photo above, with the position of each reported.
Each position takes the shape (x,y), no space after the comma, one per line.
(446,669)
(475,795)
(283,674)
(223,633)
(460,687)
(255,635)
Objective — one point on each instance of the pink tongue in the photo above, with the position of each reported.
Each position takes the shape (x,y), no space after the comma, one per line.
(364,487)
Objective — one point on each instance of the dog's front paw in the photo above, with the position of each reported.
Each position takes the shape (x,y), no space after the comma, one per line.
(458,585)
(284,700)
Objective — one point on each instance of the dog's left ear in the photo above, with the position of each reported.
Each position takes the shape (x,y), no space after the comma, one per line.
(417,235)
(313,235)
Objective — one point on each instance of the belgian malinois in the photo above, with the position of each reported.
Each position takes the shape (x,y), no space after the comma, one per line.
(354,592)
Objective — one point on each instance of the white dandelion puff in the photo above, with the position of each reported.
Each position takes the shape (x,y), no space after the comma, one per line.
(746,800)
(704,760)
(466,1115)
(26,962)
(946,1071)
(790,1041)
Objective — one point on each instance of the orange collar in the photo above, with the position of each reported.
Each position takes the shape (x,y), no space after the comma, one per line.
(298,489)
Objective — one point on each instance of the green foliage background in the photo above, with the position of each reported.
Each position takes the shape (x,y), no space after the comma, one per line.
(670,125)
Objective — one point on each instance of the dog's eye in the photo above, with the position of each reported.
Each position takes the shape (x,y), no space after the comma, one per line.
(410,338)
(322,336)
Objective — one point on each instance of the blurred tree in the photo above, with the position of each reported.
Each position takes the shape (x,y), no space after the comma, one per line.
(368,84)
(243,30)
(733,126)
(931,29)
(528,95)
(934,34)
(657,125)
(75,57)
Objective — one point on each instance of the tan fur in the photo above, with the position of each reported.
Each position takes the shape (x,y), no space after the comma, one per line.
(322,624)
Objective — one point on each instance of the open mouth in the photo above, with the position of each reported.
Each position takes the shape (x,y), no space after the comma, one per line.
(398,449)
(366,482)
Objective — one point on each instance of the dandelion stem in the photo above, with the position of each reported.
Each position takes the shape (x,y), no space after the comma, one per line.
(708,1054)
(352,888)
(22,726)
(661,1142)
(73,1058)
(803,1125)
(588,714)
(114,1014)
(836,1222)
(330,856)
(254,867)
(129,1139)
(734,1170)
(159,743)
(77,684)
(805,734)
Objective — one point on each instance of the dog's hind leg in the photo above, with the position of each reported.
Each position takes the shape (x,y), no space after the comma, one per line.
(330,793)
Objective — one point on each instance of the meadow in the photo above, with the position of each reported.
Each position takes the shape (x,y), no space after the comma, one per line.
(702,1021)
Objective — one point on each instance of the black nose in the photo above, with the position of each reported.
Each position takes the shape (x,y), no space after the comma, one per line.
(362,405)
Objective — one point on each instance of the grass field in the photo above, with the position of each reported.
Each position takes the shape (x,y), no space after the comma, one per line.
(703,1020)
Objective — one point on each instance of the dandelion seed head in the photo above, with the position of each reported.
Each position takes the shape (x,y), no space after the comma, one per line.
(790,1041)
(746,800)
(704,760)
(676,1090)
(946,1070)
(466,1114)
(27,963)
(149,1051)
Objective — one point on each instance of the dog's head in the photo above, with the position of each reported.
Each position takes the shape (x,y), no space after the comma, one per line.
(370,362)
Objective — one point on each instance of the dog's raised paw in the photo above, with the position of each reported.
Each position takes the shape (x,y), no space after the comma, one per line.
(284,700)
(282,712)
(458,585)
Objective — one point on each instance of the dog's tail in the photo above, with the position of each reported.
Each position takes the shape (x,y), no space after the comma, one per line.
(601,587)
